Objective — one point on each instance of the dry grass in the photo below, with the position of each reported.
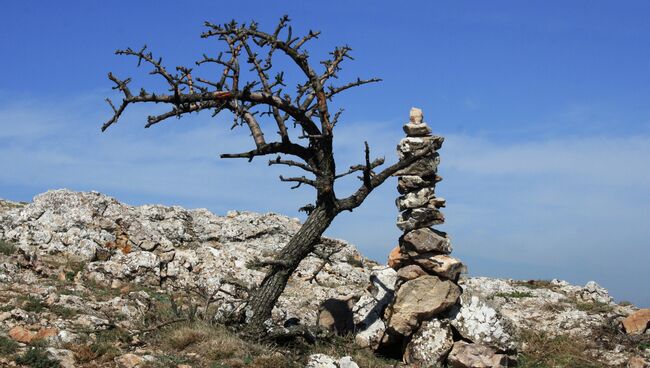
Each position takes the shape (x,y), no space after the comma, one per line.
(541,351)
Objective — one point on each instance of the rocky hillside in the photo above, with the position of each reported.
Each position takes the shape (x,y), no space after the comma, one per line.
(86,281)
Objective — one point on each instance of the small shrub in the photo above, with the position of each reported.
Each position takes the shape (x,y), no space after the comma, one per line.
(33,304)
(515,294)
(62,311)
(7,248)
(536,284)
(594,307)
(7,346)
(36,357)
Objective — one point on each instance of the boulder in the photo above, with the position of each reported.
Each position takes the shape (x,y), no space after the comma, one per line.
(409,183)
(420,299)
(442,265)
(426,166)
(592,292)
(637,362)
(419,217)
(637,322)
(424,240)
(476,321)
(430,345)
(466,355)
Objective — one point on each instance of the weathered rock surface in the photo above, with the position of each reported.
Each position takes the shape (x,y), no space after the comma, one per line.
(406,183)
(410,272)
(476,321)
(326,361)
(426,240)
(417,130)
(177,248)
(464,355)
(371,306)
(638,322)
(430,345)
(409,145)
(441,265)
(419,217)
(420,299)
(425,167)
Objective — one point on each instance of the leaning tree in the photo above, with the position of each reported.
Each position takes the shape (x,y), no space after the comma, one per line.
(305,126)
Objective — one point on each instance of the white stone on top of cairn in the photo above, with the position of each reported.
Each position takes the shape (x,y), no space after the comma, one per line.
(415,115)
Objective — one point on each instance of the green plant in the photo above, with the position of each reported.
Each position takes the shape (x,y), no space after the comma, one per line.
(37,357)
(7,248)
(515,294)
(594,307)
(7,346)
(62,311)
(33,304)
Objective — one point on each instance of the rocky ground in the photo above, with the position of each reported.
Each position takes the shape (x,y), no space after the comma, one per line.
(86,281)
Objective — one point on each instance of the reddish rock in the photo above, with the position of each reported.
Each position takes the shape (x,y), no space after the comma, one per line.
(44,333)
(21,334)
(396,258)
(637,322)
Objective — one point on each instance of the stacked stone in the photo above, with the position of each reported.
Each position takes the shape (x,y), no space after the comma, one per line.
(427,275)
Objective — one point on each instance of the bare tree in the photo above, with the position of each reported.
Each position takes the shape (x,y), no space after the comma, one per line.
(304,126)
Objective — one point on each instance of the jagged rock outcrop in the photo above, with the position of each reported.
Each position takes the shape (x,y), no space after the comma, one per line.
(179,249)
(86,264)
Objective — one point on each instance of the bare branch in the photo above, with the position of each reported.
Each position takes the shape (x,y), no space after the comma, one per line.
(300,180)
(279,161)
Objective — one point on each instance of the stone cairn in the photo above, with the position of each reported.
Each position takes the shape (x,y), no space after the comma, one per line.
(426,286)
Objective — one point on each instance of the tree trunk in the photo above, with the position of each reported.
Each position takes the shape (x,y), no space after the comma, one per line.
(301,244)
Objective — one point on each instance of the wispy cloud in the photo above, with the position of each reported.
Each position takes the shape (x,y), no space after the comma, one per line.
(572,207)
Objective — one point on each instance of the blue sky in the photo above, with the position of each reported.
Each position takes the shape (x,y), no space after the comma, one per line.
(545,106)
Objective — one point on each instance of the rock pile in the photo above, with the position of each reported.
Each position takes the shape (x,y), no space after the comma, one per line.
(426,321)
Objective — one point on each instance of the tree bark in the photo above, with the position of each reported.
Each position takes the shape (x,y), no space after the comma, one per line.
(301,244)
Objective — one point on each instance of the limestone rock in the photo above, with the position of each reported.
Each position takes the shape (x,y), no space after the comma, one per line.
(409,183)
(129,361)
(179,249)
(410,272)
(417,130)
(592,292)
(410,145)
(464,355)
(426,166)
(424,240)
(637,322)
(370,308)
(419,217)
(326,361)
(430,345)
(419,198)
(421,299)
(442,265)
(415,115)
(476,321)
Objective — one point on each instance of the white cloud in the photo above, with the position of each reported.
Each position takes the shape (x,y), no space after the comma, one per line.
(568,207)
